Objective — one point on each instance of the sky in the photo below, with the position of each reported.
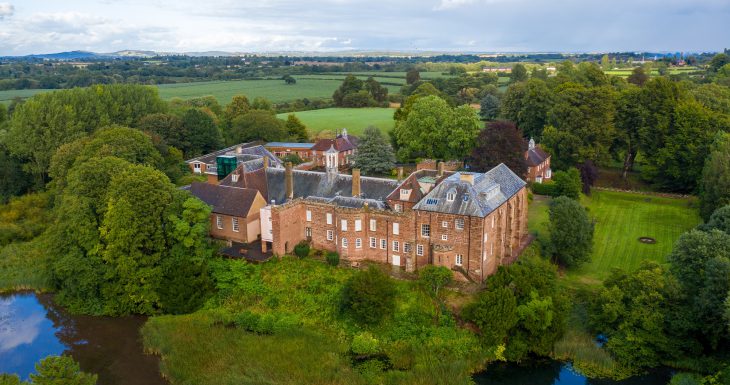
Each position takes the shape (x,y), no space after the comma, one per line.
(47,26)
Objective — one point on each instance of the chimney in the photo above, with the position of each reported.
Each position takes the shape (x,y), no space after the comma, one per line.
(400,172)
(356,182)
(266,162)
(239,150)
(289,180)
(440,168)
(468,178)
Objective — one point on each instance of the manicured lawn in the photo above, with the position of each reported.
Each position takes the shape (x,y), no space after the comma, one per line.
(622,218)
(325,122)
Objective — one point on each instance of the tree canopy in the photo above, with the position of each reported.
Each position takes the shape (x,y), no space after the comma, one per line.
(500,142)
(374,154)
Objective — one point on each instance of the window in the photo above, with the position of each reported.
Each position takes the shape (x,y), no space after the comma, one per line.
(419,249)
(344,242)
(396,228)
(329,218)
(396,246)
(432,201)
(459,259)
(459,223)
(466,198)
(373,224)
(330,235)
(445,224)
(406,247)
(308,232)
(404,193)
(450,196)
(235,224)
(383,244)
(358,243)
(196,168)
(219,222)
(425,230)
(444,237)
(398,208)
(309,216)
(343,224)
(358,224)
(492,221)
(373,243)
(234,178)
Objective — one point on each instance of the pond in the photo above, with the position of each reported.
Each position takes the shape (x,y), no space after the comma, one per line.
(549,372)
(33,327)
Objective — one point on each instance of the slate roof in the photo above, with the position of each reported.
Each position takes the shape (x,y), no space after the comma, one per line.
(249,151)
(225,200)
(341,143)
(489,191)
(535,156)
(323,185)
(290,145)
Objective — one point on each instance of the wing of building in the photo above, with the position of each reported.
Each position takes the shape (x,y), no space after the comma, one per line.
(469,222)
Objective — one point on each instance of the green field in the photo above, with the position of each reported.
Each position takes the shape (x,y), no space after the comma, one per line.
(325,122)
(621,218)
(7,96)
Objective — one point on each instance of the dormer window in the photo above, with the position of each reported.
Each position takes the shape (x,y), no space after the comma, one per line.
(234,178)
(451,196)
(405,193)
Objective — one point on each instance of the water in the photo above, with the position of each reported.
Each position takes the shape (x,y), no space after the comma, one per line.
(548,372)
(33,327)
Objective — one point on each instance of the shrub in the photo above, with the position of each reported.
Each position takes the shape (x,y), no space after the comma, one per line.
(302,249)
(364,344)
(547,188)
(369,296)
(247,320)
(568,183)
(333,259)
(685,379)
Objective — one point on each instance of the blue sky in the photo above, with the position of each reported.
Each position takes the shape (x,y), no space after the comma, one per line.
(43,26)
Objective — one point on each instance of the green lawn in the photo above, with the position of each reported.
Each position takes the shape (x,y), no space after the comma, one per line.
(7,96)
(621,218)
(274,90)
(326,121)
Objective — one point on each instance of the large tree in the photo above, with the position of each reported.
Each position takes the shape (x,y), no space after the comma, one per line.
(500,142)
(200,132)
(374,154)
(715,182)
(527,104)
(257,125)
(571,232)
(296,130)
(489,107)
(519,73)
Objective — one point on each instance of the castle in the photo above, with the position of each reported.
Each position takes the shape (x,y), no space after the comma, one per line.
(468,222)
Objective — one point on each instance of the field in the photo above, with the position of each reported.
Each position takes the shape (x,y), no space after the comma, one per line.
(621,218)
(625,72)
(325,122)
(7,96)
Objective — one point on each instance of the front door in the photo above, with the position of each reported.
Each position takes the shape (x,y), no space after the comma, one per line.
(396,260)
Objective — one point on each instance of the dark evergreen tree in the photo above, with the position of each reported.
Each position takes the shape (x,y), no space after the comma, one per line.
(374,154)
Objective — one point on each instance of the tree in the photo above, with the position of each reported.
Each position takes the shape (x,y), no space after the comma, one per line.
(369,296)
(376,91)
(433,279)
(719,220)
(518,74)
(412,76)
(374,154)
(571,232)
(568,183)
(296,130)
(715,181)
(638,76)
(423,89)
(288,79)
(628,121)
(15,180)
(262,104)
(718,61)
(434,130)
(238,106)
(588,175)
(169,127)
(495,313)
(257,125)
(489,107)
(60,370)
(500,142)
(605,63)
(527,104)
(200,132)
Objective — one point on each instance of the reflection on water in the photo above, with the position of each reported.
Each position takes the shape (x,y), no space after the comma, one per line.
(33,327)
(548,372)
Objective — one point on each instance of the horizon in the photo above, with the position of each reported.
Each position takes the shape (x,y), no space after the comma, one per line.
(34,27)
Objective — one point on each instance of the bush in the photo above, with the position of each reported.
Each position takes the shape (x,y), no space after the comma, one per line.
(685,379)
(302,249)
(333,259)
(568,183)
(547,188)
(364,344)
(369,296)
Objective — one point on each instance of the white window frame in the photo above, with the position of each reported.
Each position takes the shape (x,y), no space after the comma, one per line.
(308,232)
(358,224)
(459,260)
(444,237)
(425,230)
(358,243)
(234,178)
(398,208)
(383,244)
(419,250)
(406,247)
(197,168)
(343,224)
(445,224)
(396,228)
(309,215)
(404,193)
(396,246)
(329,218)
(450,196)
(330,235)
(459,223)
(373,224)
(373,243)
(219,222)
(344,242)
(234,224)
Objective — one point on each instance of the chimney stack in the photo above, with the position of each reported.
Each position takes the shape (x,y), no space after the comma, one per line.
(440,168)
(266,162)
(400,172)
(356,182)
(289,180)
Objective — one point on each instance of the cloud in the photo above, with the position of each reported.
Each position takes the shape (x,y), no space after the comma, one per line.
(449,4)
(6,10)
(15,331)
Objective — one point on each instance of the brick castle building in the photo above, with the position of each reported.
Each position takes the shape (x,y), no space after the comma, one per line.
(468,222)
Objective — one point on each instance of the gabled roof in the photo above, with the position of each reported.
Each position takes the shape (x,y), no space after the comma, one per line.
(225,200)
(412,183)
(535,156)
(489,191)
(341,143)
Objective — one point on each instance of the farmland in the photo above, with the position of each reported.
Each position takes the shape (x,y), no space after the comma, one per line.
(325,122)
(621,218)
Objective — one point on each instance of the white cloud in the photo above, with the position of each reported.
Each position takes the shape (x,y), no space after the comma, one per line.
(449,4)
(6,10)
